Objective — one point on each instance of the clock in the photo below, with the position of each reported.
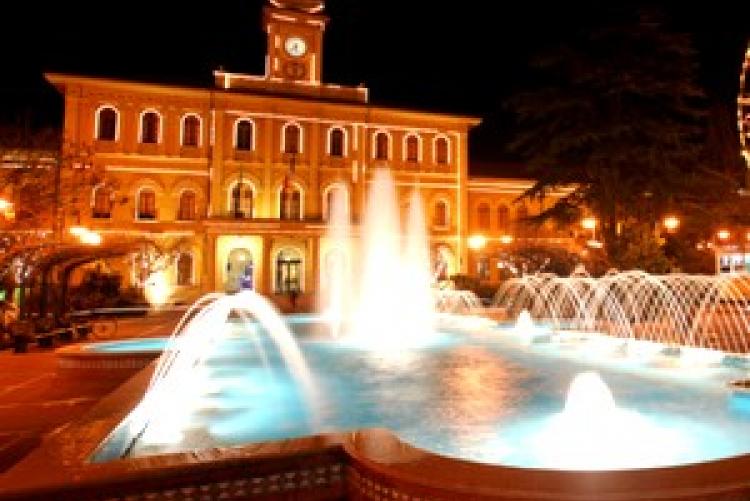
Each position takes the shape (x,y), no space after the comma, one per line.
(295,46)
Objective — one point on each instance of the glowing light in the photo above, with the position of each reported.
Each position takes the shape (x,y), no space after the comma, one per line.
(589,223)
(5,205)
(723,234)
(671,223)
(595,244)
(157,289)
(477,242)
(506,239)
(77,230)
(90,238)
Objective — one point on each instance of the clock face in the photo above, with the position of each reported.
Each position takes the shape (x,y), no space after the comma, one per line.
(295,46)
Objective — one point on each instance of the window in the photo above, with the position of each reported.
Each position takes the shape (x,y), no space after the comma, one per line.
(187,206)
(503,217)
(150,128)
(191,130)
(244,135)
(381,146)
(241,203)
(147,204)
(441,214)
(292,138)
(484,216)
(290,203)
(102,205)
(412,149)
(106,124)
(288,271)
(185,269)
(335,204)
(336,145)
(441,150)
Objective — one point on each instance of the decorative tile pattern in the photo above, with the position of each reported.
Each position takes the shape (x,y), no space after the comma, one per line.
(320,477)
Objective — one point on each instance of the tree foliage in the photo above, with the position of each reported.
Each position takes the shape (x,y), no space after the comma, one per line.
(617,114)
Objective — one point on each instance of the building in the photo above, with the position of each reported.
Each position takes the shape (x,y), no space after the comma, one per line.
(233,182)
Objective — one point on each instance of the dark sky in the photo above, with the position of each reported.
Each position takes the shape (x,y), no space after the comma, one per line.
(466,58)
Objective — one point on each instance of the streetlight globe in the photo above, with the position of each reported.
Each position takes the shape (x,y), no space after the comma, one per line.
(5,205)
(506,239)
(477,242)
(723,234)
(589,223)
(671,223)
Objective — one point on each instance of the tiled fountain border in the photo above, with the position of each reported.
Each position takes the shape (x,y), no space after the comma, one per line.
(370,465)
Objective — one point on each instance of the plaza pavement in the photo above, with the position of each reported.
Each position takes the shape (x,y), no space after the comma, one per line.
(35,399)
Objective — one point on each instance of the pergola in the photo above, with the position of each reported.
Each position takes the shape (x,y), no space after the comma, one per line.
(48,263)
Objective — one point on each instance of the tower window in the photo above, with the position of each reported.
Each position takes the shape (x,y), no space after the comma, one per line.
(381,146)
(244,138)
(107,124)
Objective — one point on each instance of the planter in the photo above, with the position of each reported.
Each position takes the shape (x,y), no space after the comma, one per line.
(65,334)
(45,340)
(20,343)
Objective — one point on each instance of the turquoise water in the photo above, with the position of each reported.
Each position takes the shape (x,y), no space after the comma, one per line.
(484,396)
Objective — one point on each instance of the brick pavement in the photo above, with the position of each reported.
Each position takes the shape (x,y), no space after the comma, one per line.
(35,399)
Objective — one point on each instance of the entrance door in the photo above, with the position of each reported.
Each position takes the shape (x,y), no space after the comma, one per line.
(288,272)
(239,270)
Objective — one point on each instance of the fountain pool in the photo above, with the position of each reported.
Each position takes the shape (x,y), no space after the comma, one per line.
(484,396)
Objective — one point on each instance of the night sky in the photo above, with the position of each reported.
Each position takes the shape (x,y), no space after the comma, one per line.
(467,59)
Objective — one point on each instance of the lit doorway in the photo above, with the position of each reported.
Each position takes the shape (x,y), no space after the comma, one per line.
(239,270)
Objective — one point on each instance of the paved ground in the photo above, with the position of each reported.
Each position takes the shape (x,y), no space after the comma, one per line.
(35,399)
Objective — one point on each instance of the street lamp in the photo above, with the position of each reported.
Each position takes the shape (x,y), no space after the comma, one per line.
(589,223)
(477,242)
(671,223)
(506,239)
(723,235)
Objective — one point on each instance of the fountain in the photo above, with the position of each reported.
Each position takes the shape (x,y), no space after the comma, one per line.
(593,433)
(688,313)
(181,371)
(396,308)
(335,272)
(528,330)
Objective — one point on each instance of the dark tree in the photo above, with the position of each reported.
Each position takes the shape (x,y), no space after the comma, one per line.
(618,115)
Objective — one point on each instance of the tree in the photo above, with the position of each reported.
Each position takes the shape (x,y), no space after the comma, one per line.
(618,116)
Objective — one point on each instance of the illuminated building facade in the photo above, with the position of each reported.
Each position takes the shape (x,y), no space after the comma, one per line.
(235,180)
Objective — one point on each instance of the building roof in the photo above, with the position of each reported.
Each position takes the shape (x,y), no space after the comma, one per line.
(61,80)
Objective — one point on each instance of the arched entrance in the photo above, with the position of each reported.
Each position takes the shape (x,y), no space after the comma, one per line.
(239,270)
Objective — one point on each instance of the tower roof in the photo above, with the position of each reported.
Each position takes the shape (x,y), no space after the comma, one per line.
(310,6)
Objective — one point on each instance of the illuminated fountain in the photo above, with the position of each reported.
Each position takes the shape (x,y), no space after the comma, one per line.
(180,377)
(696,317)
(396,308)
(336,276)
(593,433)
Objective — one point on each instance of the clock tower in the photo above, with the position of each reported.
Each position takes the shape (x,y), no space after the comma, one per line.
(295,40)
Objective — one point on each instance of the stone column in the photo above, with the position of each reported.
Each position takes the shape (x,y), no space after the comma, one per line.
(208,279)
(265,287)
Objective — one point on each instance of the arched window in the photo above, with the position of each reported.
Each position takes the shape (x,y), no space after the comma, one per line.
(106,119)
(288,271)
(187,206)
(147,204)
(244,136)
(440,218)
(191,130)
(441,150)
(483,212)
(336,204)
(185,269)
(503,217)
(381,146)
(102,203)
(412,149)
(150,127)
(292,137)
(241,200)
(290,203)
(336,143)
